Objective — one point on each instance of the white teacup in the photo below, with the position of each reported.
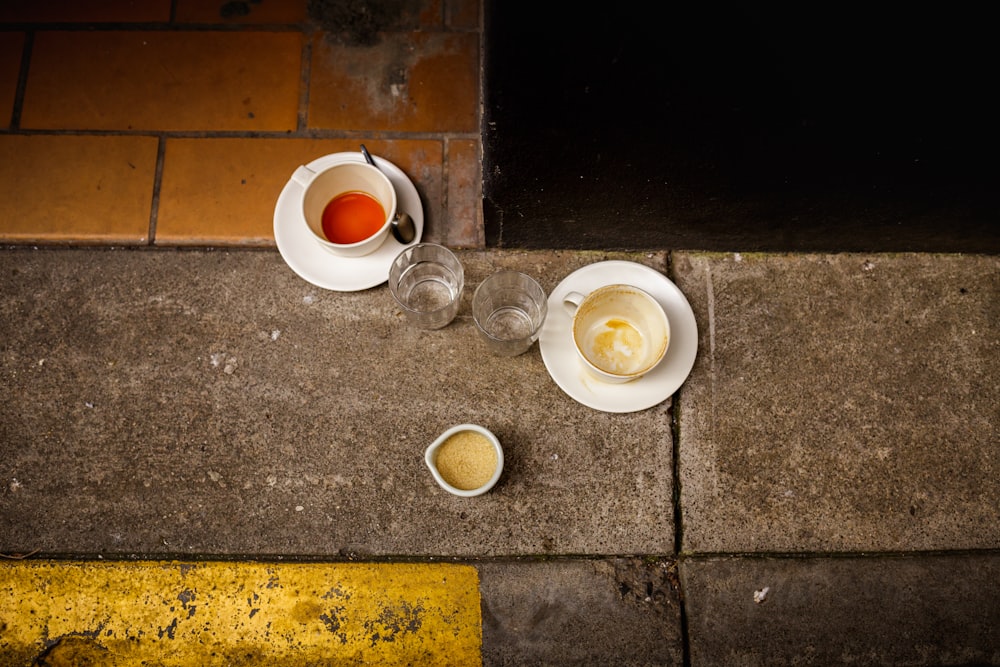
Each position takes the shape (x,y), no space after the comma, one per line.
(620,332)
(348,207)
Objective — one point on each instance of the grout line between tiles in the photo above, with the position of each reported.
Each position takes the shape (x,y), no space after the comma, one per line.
(675,437)
(154,204)
(676,405)
(255,134)
(305,76)
(693,558)
(445,177)
(22,81)
(151,26)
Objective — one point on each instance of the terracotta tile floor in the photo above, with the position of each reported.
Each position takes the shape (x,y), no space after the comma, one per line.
(178,122)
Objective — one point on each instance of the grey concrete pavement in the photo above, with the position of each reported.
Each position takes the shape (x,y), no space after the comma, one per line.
(620,611)
(836,442)
(901,610)
(841,403)
(213,403)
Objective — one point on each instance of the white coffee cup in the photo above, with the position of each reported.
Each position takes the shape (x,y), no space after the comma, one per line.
(354,226)
(620,332)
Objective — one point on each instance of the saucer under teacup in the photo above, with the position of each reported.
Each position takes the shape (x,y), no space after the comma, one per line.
(318,266)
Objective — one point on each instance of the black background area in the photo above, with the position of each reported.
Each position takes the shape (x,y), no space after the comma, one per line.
(819,128)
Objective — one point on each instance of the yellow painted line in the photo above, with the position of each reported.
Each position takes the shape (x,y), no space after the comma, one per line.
(220,613)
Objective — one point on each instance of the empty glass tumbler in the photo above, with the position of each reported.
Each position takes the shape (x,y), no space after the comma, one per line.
(509,309)
(426,281)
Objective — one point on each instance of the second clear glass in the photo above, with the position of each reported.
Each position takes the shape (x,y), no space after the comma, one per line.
(509,308)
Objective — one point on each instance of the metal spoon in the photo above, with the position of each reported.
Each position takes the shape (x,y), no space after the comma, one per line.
(402,224)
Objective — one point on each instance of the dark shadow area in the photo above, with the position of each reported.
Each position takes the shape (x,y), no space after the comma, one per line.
(813,128)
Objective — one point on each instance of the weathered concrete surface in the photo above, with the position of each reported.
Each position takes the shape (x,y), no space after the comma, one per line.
(213,403)
(911,610)
(621,611)
(841,403)
(194,404)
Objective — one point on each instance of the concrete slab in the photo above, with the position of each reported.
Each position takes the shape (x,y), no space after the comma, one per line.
(841,402)
(914,610)
(621,611)
(186,403)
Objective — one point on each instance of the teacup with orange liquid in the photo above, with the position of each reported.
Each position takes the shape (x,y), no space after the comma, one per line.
(348,207)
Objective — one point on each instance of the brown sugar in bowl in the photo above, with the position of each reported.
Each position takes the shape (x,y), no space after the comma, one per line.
(465,460)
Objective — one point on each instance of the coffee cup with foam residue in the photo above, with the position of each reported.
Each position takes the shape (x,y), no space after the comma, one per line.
(620,332)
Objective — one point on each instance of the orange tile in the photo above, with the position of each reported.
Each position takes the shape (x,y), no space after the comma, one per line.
(240,11)
(76,189)
(412,82)
(465,214)
(223,191)
(84,11)
(359,22)
(11,47)
(153,80)
(423,162)
(430,13)
(462,13)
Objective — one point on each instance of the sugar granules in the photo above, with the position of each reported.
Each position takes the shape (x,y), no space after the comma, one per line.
(466,460)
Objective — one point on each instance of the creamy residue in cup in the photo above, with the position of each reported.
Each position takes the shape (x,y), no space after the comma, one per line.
(466,460)
(617,346)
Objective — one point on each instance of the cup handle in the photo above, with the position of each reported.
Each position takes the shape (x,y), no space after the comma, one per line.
(303,176)
(572,301)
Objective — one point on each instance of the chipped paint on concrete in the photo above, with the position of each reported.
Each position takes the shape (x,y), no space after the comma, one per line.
(208,613)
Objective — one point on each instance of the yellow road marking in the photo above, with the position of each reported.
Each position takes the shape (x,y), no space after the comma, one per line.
(220,613)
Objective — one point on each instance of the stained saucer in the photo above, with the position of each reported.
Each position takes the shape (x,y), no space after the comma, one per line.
(567,371)
(319,266)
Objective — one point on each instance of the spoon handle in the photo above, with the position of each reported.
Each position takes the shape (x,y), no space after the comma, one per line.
(368,157)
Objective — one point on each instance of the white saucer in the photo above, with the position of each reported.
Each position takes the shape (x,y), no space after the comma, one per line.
(559,355)
(319,266)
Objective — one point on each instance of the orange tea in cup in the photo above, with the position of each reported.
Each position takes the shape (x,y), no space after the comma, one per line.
(352,217)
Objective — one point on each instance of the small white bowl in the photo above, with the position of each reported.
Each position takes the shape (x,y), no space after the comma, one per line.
(430,457)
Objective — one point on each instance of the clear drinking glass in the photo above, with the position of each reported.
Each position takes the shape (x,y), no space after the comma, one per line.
(509,308)
(426,281)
